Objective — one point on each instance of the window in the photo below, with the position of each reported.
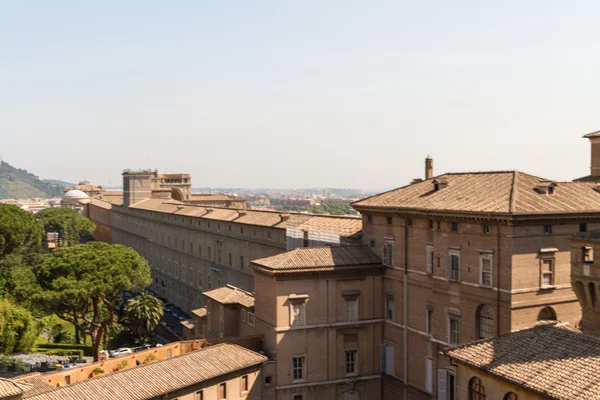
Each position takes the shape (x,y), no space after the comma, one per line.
(230,260)
(250,318)
(268,234)
(199,395)
(351,361)
(485,322)
(582,228)
(243,314)
(547,272)
(390,220)
(388,254)
(455,227)
(476,389)
(430,224)
(454,331)
(218,227)
(68,379)
(486,229)
(389,308)
(241,262)
(430,257)
(409,222)
(297,314)
(245,383)
(547,314)
(587,254)
(268,379)
(253,232)
(298,368)
(241,229)
(229,228)
(298,397)
(369,219)
(372,243)
(223,390)
(445,385)
(429,322)
(351,309)
(485,269)
(453,266)
(510,396)
(547,229)
(439,225)
(208,224)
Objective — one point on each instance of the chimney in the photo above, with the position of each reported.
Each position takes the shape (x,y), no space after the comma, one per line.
(428,168)
(595,159)
(241,213)
(284,217)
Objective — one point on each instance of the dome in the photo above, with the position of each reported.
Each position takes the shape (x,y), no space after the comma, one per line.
(76,194)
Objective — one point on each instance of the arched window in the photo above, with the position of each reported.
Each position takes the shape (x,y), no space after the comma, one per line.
(511,396)
(476,389)
(547,314)
(485,322)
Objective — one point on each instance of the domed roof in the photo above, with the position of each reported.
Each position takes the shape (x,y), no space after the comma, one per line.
(75,194)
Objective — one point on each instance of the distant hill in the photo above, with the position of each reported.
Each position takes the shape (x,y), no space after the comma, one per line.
(17,183)
(58,182)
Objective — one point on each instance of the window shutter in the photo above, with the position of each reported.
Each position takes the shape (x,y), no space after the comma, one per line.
(389,359)
(382,358)
(448,267)
(441,384)
(428,375)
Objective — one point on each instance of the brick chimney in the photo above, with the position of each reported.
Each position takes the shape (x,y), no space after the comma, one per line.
(428,168)
(284,217)
(595,159)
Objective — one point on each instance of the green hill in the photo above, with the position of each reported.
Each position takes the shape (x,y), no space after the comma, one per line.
(19,184)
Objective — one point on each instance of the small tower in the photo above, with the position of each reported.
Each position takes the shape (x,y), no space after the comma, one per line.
(428,168)
(585,278)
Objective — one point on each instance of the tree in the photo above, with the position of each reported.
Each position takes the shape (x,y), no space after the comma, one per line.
(18,329)
(20,232)
(69,224)
(82,284)
(143,313)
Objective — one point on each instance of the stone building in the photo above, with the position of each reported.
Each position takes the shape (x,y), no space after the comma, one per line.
(471,256)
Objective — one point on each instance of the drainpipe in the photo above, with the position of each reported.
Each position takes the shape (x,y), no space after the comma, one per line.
(498,283)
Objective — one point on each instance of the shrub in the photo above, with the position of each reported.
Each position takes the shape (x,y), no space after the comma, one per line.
(97,371)
(120,366)
(87,350)
(150,358)
(59,352)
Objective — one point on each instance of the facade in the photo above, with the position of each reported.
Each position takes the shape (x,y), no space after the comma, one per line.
(222,371)
(585,276)
(471,256)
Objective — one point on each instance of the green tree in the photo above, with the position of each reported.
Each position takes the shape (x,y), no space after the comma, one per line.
(69,224)
(82,284)
(20,232)
(143,313)
(18,329)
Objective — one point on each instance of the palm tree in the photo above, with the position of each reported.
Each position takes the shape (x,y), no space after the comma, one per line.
(143,313)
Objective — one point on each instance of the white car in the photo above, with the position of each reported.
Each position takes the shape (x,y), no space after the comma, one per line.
(121,352)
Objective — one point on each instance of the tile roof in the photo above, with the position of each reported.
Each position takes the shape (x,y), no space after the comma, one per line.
(188,323)
(12,388)
(200,312)
(230,294)
(217,196)
(152,380)
(552,360)
(593,134)
(101,203)
(508,192)
(320,259)
(345,226)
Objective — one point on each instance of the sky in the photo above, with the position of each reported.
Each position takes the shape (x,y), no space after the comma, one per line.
(298,93)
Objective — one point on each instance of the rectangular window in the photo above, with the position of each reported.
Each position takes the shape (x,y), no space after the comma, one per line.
(372,243)
(230,260)
(454,330)
(250,318)
(369,219)
(547,229)
(428,375)
(297,314)
(298,397)
(587,254)
(453,267)
(229,228)
(389,308)
(199,395)
(223,391)
(547,272)
(486,229)
(430,224)
(388,254)
(390,220)
(241,262)
(485,266)
(245,383)
(241,229)
(409,222)
(351,361)
(455,227)
(583,227)
(430,257)
(298,364)
(429,322)
(351,309)
(243,314)
(268,234)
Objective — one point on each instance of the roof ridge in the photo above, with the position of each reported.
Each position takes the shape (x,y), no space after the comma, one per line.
(513,193)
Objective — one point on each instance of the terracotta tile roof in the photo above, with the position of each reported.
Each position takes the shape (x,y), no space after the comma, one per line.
(38,384)
(320,259)
(209,197)
(230,294)
(510,193)
(550,359)
(153,380)
(101,203)
(12,388)
(345,226)
(593,134)
(188,323)
(200,312)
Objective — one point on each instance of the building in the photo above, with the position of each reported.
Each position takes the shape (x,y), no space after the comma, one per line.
(223,371)
(471,256)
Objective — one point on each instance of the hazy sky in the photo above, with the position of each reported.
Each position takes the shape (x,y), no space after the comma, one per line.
(298,93)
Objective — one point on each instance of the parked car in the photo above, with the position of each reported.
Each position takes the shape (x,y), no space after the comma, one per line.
(121,352)
(143,347)
(80,361)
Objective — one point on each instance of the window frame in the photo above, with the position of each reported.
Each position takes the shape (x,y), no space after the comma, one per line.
(296,322)
(451,274)
(301,369)
(244,384)
(222,391)
(489,257)
(547,229)
(252,317)
(550,272)
(353,353)
(430,258)
(475,383)
(451,332)
(389,312)
(454,227)
(486,321)
(348,301)
(388,253)
(429,321)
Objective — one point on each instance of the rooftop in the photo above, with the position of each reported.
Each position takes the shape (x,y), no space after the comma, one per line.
(504,192)
(320,259)
(200,312)
(12,388)
(230,294)
(152,380)
(593,134)
(345,226)
(553,360)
